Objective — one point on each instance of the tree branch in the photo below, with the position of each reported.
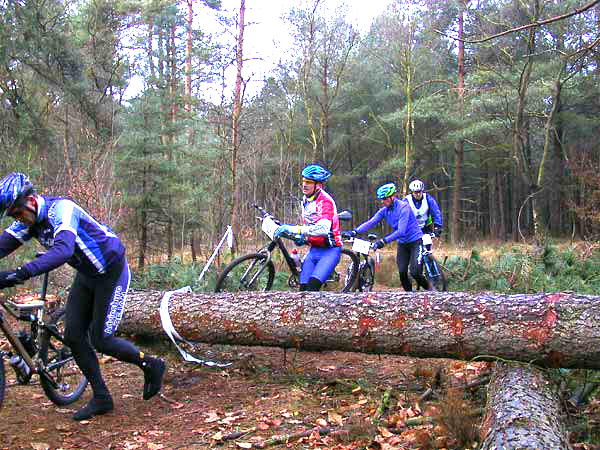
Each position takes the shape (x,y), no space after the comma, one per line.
(523,27)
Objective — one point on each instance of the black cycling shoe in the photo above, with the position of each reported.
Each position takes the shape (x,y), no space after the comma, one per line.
(154,371)
(95,407)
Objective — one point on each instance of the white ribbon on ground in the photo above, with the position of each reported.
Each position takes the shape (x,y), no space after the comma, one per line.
(167,325)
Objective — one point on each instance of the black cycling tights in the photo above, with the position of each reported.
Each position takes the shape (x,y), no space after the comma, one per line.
(95,305)
(409,256)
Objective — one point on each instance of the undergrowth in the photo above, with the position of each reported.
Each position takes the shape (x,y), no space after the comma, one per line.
(515,271)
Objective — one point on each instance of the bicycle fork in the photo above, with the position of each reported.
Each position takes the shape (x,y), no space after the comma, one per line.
(430,267)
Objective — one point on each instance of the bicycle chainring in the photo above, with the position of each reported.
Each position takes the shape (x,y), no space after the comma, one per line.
(293,281)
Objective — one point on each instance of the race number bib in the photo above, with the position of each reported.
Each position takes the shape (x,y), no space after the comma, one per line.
(427,239)
(269,226)
(361,246)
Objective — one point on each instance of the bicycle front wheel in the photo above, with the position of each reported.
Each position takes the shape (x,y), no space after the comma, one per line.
(68,383)
(435,274)
(366,278)
(247,273)
(343,277)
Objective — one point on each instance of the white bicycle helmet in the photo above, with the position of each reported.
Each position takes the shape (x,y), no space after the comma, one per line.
(416,186)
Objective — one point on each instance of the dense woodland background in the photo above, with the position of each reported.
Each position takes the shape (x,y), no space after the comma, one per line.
(493,103)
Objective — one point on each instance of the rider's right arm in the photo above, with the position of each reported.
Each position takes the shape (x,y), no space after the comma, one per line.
(8,244)
(371,222)
(58,254)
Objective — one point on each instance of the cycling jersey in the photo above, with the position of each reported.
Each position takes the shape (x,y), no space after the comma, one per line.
(69,234)
(402,220)
(321,223)
(424,208)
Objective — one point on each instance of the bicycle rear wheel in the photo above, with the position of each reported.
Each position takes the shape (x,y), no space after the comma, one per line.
(60,365)
(247,273)
(344,276)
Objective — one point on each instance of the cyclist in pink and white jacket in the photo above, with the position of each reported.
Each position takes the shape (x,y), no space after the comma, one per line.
(320,230)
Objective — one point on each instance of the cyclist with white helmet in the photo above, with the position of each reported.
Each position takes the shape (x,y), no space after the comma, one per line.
(406,231)
(425,208)
(97,296)
(320,230)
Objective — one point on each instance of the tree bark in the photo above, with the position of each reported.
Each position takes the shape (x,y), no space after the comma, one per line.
(553,330)
(523,411)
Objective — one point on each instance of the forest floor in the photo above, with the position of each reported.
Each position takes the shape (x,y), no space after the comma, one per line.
(268,399)
(273,399)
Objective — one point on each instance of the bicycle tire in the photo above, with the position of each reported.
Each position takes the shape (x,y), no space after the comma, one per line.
(366,278)
(71,382)
(2,381)
(247,269)
(440,283)
(345,275)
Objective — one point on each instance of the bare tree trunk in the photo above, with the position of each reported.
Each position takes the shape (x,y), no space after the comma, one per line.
(459,148)
(555,330)
(523,411)
(235,124)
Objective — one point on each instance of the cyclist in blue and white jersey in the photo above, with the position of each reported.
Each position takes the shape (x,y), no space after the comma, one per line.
(406,231)
(425,208)
(97,296)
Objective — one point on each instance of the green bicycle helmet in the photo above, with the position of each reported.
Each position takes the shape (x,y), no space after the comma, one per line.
(385,191)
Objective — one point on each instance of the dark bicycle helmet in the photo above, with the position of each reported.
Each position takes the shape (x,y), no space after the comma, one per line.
(14,188)
(385,191)
(315,173)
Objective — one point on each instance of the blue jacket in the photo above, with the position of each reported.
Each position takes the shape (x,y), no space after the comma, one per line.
(402,220)
(69,234)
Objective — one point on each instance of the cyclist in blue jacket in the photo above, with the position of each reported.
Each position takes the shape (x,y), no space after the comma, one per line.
(97,296)
(425,208)
(407,232)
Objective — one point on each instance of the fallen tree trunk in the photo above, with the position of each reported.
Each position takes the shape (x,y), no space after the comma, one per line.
(554,330)
(523,411)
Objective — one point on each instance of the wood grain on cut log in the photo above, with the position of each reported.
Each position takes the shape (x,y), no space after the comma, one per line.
(555,330)
(523,411)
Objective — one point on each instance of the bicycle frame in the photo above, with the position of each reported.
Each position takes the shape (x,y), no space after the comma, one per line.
(268,249)
(428,262)
(37,325)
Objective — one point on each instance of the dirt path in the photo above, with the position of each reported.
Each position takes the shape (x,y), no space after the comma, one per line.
(261,395)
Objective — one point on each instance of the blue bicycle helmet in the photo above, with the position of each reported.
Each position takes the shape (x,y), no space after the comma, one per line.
(315,173)
(13,189)
(386,190)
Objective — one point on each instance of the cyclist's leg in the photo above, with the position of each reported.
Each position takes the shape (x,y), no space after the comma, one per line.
(308,266)
(323,261)
(79,312)
(109,303)
(328,259)
(416,264)
(314,285)
(402,261)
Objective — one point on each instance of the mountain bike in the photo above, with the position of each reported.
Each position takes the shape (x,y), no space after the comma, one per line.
(39,348)
(431,269)
(256,271)
(366,267)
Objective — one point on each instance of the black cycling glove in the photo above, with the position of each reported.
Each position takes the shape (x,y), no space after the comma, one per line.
(348,234)
(379,243)
(11,278)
